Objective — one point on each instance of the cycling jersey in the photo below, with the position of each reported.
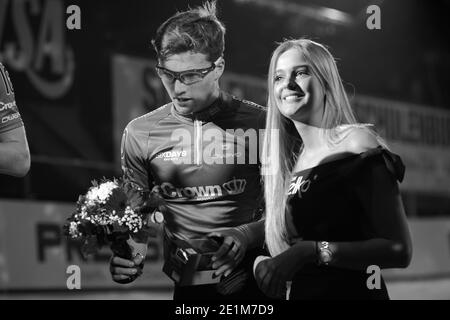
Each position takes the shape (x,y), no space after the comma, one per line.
(9,114)
(206,165)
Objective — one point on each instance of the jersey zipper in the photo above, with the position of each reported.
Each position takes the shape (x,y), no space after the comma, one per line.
(198,141)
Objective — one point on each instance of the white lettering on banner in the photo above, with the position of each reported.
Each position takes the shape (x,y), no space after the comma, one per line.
(27,51)
(405,122)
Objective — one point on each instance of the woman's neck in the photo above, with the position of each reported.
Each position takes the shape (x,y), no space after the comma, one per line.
(313,137)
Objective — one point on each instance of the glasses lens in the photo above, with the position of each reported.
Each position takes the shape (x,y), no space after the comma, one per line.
(191,77)
(164,75)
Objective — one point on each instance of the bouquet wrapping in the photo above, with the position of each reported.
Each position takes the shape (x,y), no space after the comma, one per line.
(112,213)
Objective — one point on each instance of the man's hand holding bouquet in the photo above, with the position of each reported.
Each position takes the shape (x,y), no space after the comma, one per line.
(117,214)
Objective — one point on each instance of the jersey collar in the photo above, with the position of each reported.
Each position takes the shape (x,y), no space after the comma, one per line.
(206,114)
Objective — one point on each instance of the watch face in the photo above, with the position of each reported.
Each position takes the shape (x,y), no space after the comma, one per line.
(325,256)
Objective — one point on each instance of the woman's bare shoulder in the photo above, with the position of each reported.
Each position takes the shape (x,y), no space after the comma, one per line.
(358,138)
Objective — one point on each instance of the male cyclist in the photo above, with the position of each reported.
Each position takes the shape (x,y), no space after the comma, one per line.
(201,152)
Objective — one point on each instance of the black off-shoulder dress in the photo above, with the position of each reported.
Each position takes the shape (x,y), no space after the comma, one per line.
(323,206)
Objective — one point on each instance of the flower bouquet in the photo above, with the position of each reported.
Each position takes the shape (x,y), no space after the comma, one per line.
(111,213)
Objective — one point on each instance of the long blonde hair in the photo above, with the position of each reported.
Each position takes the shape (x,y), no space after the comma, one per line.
(282,142)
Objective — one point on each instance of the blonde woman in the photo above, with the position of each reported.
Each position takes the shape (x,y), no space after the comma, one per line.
(333,206)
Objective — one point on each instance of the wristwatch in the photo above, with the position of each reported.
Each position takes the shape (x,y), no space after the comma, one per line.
(324,253)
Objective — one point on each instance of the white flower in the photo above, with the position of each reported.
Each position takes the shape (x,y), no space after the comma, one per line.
(73,229)
(100,193)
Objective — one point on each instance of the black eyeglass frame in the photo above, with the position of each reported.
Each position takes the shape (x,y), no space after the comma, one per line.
(178,75)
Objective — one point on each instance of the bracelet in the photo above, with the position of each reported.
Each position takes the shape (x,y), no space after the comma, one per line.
(325,255)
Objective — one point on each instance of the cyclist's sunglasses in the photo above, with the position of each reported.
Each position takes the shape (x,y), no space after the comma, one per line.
(187,77)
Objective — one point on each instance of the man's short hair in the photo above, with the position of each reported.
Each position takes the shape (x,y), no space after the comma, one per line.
(197,30)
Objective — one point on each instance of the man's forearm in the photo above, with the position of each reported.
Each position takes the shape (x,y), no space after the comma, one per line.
(14,160)
(254,232)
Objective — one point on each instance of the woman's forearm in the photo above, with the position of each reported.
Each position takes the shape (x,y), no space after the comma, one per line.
(356,255)
(359,255)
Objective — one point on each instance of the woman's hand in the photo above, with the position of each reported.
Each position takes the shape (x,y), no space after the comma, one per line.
(272,274)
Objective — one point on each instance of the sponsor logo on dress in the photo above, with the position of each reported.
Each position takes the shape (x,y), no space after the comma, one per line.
(298,185)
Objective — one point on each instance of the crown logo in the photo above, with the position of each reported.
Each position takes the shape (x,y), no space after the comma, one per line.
(235,186)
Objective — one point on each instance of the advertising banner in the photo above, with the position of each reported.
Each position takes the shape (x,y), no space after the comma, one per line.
(35,254)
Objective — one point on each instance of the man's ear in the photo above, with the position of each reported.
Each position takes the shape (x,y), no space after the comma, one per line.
(220,68)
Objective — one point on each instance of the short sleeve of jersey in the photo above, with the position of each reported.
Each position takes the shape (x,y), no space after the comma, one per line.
(9,113)
(133,157)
